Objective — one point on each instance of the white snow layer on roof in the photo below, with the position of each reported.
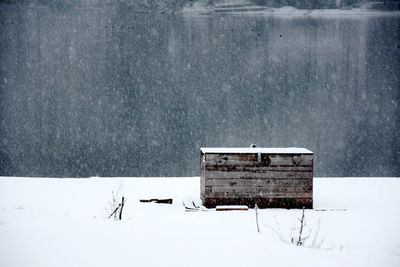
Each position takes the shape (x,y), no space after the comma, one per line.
(266,150)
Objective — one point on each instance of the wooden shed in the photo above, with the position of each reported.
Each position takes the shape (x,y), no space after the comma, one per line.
(270,177)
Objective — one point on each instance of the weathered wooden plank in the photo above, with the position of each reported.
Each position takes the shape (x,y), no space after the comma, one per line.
(265,194)
(232,208)
(292,203)
(259,189)
(261,160)
(288,160)
(252,175)
(255,167)
(258,182)
(273,163)
(202,188)
(232,157)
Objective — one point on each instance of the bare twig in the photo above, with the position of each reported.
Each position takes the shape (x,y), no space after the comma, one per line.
(278,231)
(330,209)
(114,205)
(315,243)
(256,209)
(113,197)
(300,240)
(114,212)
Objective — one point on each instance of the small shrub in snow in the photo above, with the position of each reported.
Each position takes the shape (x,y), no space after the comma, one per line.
(301,234)
(117,204)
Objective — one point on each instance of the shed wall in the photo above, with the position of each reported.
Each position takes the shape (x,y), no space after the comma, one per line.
(270,180)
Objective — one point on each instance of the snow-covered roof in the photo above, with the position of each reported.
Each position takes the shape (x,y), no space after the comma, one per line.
(267,150)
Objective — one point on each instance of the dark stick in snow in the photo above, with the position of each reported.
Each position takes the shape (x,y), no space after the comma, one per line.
(156,200)
(122,206)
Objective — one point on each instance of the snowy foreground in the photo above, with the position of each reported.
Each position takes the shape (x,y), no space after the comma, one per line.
(63,222)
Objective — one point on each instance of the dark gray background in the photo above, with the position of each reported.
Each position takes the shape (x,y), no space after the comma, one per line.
(108,91)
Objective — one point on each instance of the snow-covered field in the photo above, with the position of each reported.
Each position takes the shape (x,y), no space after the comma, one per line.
(63,222)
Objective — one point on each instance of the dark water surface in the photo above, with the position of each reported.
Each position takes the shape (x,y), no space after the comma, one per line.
(111,92)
